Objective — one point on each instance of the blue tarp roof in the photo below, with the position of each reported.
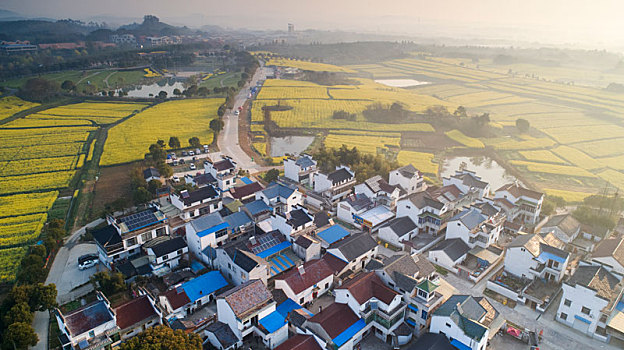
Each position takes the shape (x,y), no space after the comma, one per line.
(246,180)
(273,321)
(274,249)
(203,285)
(213,229)
(582,319)
(620,306)
(333,234)
(349,332)
(545,256)
(257,207)
(196,266)
(461,346)
(290,305)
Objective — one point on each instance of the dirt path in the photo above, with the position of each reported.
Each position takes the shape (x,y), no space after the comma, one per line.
(106,79)
(88,76)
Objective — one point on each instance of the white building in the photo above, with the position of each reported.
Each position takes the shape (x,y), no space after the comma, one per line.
(306,282)
(124,39)
(244,308)
(380,191)
(449,253)
(221,336)
(610,255)
(356,250)
(336,185)
(589,299)
(202,201)
(475,227)
(300,169)
(165,255)
(529,256)
(469,183)
(206,231)
(422,207)
(564,226)
(398,230)
(410,179)
(528,203)
(281,198)
(354,205)
(224,171)
(336,327)
(468,322)
(372,300)
(307,248)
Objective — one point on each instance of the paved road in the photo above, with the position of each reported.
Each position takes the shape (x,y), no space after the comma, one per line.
(228,138)
(65,275)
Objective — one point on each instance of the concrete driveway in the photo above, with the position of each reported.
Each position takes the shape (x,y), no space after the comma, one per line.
(66,274)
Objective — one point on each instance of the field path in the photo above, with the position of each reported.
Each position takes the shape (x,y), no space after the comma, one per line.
(88,76)
(106,79)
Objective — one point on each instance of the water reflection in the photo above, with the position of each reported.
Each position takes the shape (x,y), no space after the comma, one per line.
(486,167)
(289,144)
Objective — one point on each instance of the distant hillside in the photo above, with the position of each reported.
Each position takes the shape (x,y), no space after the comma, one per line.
(152,26)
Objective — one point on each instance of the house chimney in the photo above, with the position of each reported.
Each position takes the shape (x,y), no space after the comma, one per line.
(301,269)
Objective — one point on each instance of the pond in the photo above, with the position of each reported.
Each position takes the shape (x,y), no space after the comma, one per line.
(144,91)
(401,82)
(289,144)
(487,168)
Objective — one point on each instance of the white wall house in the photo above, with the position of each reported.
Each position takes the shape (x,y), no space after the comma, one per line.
(589,299)
(206,231)
(398,230)
(300,169)
(371,299)
(529,256)
(202,201)
(380,191)
(354,205)
(336,185)
(307,248)
(224,171)
(240,266)
(468,322)
(306,282)
(281,198)
(424,210)
(449,253)
(475,228)
(166,255)
(565,227)
(610,255)
(468,182)
(356,250)
(409,178)
(527,202)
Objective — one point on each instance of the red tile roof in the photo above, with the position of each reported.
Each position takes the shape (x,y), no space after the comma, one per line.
(517,191)
(177,299)
(248,297)
(134,311)
(336,264)
(300,342)
(335,319)
(368,285)
(314,271)
(246,190)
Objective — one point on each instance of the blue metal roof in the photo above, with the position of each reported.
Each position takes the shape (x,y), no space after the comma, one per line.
(273,321)
(349,332)
(333,234)
(257,206)
(196,266)
(620,306)
(274,249)
(204,285)
(459,345)
(213,229)
(287,306)
(545,256)
(246,180)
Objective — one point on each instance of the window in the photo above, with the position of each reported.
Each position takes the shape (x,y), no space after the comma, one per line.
(563,316)
(422,294)
(164,257)
(92,334)
(585,310)
(146,236)
(327,285)
(448,325)
(180,252)
(408,207)
(132,241)
(301,301)
(603,318)
(161,232)
(424,315)
(567,302)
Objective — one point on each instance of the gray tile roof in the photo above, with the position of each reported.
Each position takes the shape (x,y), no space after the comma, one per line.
(207,221)
(224,334)
(304,162)
(401,226)
(599,279)
(359,201)
(424,199)
(471,218)
(278,190)
(565,222)
(454,248)
(339,175)
(408,171)
(355,246)
(469,179)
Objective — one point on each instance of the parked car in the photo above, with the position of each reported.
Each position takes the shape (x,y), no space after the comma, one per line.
(175,162)
(191,153)
(197,151)
(184,154)
(87,261)
(205,148)
(192,166)
(175,178)
(182,161)
(236,112)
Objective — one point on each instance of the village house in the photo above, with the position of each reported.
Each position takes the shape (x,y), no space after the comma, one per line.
(354,205)
(150,174)
(246,193)
(449,253)
(188,297)
(356,250)
(306,282)
(300,169)
(136,315)
(195,203)
(201,180)
(291,224)
(336,327)
(398,230)
(468,322)
(221,336)
(307,247)
(224,171)
(527,202)
(206,231)
(468,183)
(336,185)
(427,210)
(529,256)
(476,227)
(380,191)
(165,254)
(331,234)
(408,178)
(281,198)
(610,255)
(589,300)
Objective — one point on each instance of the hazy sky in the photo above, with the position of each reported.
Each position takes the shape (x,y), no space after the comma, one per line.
(563,20)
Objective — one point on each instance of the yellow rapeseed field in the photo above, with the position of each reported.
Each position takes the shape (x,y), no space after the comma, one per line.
(542,156)
(10,105)
(305,65)
(420,160)
(130,140)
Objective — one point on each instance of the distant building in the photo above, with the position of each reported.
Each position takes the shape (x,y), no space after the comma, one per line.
(291,28)
(124,39)
(17,46)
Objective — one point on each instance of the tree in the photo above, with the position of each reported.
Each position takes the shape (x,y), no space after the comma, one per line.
(217,125)
(460,112)
(221,110)
(163,338)
(177,92)
(39,89)
(153,186)
(203,91)
(141,195)
(164,169)
(162,95)
(21,335)
(522,125)
(108,282)
(161,143)
(43,297)
(156,152)
(194,142)
(111,93)
(271,175)
(174,142)
(20,312)
(68,85)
